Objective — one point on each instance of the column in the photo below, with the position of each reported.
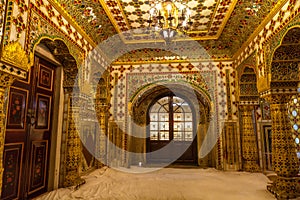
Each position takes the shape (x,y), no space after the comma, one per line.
(284,159)
(5,81)
(101,110)
(202,132)
(73,148)
(249,140)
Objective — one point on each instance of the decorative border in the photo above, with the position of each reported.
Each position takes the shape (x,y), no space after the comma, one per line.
(27,78)
(268,29)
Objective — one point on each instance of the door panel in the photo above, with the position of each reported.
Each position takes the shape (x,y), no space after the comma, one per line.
(38,163)
(29,123)
(180,152)
(190,152)
(13,154)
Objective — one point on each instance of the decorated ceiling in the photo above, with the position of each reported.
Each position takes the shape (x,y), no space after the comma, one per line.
(219,26)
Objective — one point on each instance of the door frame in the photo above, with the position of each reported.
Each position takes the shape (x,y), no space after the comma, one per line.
(57,120)
(194,143)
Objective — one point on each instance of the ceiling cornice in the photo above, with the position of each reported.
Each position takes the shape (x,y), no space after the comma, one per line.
(170,61)
(64,13)
(262,25)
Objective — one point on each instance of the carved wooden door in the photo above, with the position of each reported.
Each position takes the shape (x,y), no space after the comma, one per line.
(28,131)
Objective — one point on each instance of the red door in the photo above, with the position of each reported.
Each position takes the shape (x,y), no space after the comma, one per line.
(28,133)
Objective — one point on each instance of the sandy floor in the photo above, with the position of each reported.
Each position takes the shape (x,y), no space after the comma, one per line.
(168,183)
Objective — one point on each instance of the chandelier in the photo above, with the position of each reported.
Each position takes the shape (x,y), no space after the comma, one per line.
(169,17)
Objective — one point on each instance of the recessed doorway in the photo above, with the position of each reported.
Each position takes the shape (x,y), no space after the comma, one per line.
(171,131)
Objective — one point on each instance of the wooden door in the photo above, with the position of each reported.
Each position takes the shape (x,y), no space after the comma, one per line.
(171,132)
(28,130)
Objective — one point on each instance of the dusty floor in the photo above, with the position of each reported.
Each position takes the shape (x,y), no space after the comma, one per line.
(168,183)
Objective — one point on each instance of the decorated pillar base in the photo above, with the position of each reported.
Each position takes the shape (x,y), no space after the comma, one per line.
(72,179)
(285,188)
(99,164)
(203,162)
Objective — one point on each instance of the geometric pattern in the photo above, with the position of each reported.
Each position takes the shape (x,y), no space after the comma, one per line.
(146,71)
(266,31)
(220,26)
(59,22)
(209,17)
(97,24)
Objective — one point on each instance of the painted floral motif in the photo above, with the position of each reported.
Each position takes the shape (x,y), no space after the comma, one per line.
(11,172)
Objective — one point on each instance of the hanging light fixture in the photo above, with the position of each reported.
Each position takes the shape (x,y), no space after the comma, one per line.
(169,17)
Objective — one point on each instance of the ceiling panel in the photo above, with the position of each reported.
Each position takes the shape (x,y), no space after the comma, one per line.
(221,27)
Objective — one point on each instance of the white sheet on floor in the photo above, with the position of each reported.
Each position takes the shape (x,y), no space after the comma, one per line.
(167,183)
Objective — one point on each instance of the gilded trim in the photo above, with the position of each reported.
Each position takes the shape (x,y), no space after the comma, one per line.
(279,44)
(220,30)
(224,22)
(170,61)
(14,54)
(63,12)
(108,13)
(140,91)
(262,25)
(37,42)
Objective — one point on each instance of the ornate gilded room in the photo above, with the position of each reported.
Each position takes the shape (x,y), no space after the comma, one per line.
(179,93)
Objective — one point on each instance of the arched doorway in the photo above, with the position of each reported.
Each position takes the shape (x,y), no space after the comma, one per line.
(171,118)
(181,146)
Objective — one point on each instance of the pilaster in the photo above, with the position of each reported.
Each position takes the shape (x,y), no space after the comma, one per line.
(73,147)
(101,111)
(5,81)
(249,140)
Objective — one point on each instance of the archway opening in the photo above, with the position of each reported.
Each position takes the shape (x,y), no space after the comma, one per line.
(180,115)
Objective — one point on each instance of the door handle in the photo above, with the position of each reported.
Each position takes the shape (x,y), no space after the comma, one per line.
(30,118)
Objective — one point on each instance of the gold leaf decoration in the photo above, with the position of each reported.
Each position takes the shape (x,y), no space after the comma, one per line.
(263,84)
(14,54)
